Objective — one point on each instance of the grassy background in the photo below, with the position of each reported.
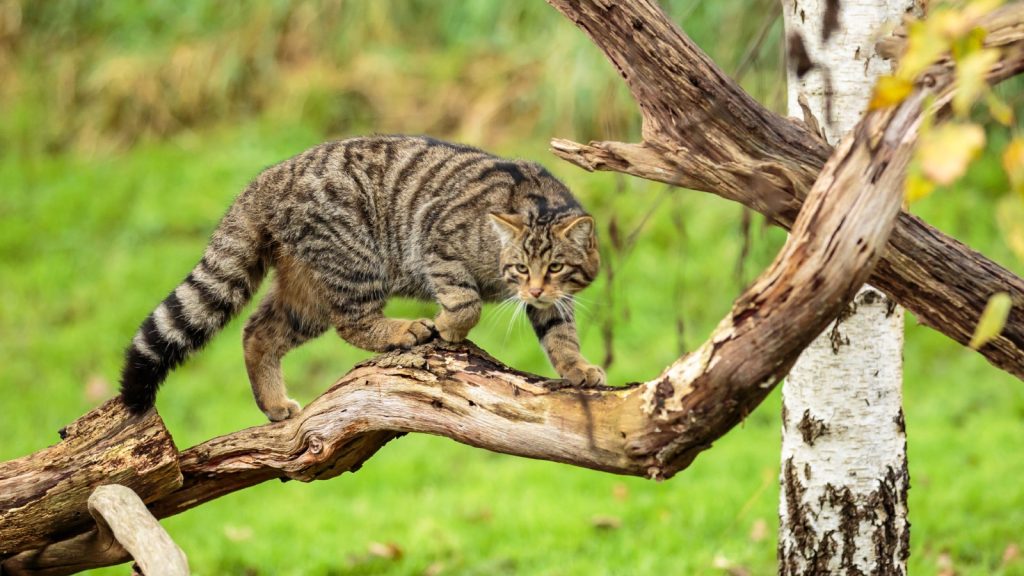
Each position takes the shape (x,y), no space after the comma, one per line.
(128,127)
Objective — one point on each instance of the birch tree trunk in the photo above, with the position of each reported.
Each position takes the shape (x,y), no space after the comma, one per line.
(843,507)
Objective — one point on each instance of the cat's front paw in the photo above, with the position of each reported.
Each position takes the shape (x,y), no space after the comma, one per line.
(416,332)
(582,373)
(283,411)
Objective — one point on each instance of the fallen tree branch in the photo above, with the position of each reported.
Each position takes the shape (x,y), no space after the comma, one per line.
(702,131)
(125,530)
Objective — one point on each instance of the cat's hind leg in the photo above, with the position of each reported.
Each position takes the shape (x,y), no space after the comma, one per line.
(276,327)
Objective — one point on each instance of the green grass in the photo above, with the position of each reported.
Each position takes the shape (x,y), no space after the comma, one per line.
(94,234)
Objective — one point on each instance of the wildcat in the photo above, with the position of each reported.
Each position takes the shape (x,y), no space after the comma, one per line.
(348,224)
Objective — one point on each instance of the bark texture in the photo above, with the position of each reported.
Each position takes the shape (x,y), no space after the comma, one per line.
(843,506)
(701,131)
(125,530)
(43,495)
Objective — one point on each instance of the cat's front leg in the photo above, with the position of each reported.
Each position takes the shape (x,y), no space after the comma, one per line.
(556,330)
(456,291)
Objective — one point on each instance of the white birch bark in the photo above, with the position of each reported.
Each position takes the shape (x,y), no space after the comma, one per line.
(843,507)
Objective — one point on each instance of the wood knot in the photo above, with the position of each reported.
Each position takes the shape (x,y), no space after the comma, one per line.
(315,444)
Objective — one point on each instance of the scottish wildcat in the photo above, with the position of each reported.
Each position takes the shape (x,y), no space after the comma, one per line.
(348,224)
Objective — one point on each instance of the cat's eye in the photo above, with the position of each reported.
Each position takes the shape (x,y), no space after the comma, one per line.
(522,269)
(555,267)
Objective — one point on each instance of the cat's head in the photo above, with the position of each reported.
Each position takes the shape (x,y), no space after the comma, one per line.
(543,262)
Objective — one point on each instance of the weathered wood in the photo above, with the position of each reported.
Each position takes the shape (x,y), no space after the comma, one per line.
(125,529)
(702,131)
(44,495)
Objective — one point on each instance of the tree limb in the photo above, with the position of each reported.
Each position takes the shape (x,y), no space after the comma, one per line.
(702,131)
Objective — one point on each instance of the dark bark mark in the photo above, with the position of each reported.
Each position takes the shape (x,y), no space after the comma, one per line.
(799,59)
(830,21)
(811,428)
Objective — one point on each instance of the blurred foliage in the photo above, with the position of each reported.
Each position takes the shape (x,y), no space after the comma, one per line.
(92,75)
(128,127)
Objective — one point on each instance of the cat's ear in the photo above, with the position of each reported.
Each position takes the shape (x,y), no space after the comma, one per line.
(508,226)
(579,230)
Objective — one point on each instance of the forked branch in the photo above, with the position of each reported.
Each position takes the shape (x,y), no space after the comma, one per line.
(702,131)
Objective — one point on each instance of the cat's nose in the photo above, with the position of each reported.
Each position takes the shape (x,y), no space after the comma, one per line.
(535,292)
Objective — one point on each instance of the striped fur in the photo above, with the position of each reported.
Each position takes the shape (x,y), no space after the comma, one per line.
(348,224)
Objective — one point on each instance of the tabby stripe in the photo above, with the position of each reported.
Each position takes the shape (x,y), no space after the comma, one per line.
(197,335)
(171,354)
(169,329)
(453,281)
(469,197)
(461,306)
(300,326)
(435,143)
(502,168)
(140,346)
(210,297)
(224,277)
(327,152)
(541,330)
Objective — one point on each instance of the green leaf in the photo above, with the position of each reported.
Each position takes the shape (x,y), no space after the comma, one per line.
(992,320)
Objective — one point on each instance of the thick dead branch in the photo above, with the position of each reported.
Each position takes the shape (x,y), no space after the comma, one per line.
(125,530)
(701,131)
(43,496)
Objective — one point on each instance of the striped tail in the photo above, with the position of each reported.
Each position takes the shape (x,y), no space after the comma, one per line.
(213,293)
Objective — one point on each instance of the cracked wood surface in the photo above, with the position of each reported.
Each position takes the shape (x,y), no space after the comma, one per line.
(702,131)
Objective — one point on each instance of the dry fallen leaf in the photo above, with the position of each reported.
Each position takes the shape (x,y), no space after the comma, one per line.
(435,569)
(759,531)
(620,492)
(237,533)
(1011,555)
(389,550)
(606,522)
(945,565)
(97,388)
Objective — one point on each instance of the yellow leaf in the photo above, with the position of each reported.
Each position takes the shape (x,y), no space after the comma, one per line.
(917,186)
(889,91)
(992,320)
(978,8)
(1013,163)
(999,109)
(970,76)
(1010,218)
(926,42)
(945,151)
